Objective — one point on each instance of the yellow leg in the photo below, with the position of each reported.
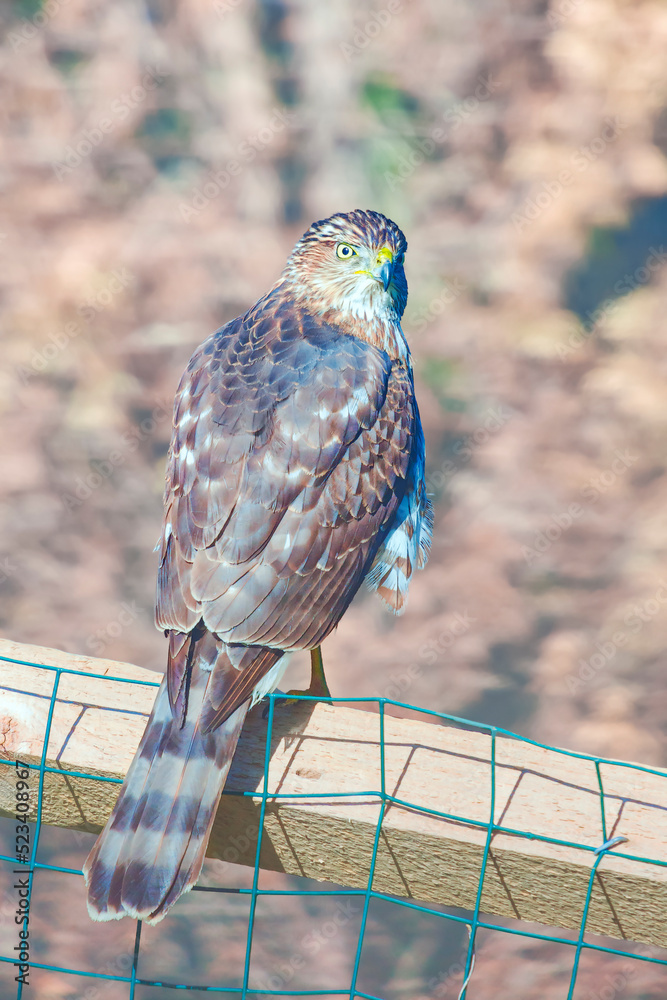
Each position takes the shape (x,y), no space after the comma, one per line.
(318,682)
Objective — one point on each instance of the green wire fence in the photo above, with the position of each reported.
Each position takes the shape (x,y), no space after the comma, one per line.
(473,920)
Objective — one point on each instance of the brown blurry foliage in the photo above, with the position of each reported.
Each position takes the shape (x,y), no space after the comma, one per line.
(158,161)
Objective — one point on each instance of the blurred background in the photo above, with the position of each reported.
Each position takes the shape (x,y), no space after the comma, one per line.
(159,160)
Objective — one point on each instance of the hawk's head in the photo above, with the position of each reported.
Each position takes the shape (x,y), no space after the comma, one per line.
(352,263)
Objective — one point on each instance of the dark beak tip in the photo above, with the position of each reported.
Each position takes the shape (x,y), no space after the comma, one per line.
(386,274)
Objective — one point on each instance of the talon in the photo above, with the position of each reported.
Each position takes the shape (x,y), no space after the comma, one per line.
(318,683)
(266,701)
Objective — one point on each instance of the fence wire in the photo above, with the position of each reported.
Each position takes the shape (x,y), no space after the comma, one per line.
(473,922)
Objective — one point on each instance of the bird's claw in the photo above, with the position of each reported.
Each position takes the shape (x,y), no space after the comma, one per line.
(318,689)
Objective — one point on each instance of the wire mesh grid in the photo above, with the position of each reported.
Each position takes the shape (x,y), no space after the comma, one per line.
(473,922)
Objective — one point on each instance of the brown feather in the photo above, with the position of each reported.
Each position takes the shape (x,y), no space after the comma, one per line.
(295,439)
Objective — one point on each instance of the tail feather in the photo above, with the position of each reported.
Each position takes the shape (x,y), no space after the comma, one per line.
(153,846)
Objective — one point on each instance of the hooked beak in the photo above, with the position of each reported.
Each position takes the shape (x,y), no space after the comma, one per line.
(384,271)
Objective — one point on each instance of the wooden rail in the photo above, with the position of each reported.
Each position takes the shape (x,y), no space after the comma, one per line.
(327,750)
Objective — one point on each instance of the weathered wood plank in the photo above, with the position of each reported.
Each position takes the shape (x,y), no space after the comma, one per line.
(324,751)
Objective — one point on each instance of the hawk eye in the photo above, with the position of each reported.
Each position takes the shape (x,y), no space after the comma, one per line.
(344,251)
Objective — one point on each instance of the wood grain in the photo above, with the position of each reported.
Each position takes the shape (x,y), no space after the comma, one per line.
(327,750)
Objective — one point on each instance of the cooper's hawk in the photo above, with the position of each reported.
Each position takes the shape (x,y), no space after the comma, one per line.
(296,471)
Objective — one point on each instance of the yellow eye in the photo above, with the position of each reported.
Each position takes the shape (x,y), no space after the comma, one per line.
(344,251)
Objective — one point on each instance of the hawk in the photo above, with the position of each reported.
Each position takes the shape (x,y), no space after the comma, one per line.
(295,472)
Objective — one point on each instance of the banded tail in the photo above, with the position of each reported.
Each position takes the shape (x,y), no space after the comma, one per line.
(153,846)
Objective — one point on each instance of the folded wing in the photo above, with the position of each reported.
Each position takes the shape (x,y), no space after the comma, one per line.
(289,459)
